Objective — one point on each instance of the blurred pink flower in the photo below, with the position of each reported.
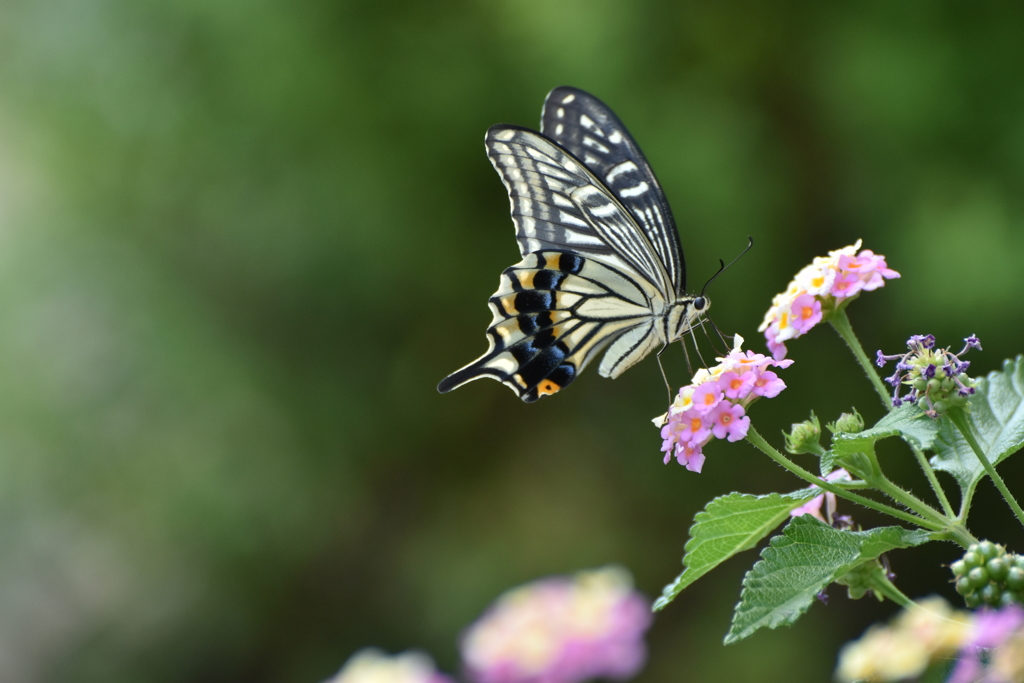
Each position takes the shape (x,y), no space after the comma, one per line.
(561,630)
(813,506)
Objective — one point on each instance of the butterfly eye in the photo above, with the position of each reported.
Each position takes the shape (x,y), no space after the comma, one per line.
(699,303)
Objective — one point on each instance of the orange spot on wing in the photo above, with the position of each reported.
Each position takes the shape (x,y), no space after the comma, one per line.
(547,387)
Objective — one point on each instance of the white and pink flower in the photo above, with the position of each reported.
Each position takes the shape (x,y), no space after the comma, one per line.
(714,404)
(816,290)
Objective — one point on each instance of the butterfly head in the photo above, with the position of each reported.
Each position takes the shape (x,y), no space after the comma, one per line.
(687,314)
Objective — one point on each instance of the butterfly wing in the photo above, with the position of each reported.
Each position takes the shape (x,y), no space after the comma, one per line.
(587,128)
(589,278)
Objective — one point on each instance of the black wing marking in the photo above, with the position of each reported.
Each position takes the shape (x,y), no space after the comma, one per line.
(587,128)
(553,313)
(557,203)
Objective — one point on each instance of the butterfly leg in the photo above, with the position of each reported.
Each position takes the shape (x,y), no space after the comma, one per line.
(668,387)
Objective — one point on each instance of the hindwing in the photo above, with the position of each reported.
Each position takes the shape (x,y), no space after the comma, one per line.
(553,312)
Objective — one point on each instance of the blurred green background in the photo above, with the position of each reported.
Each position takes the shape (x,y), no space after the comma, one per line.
(240,243)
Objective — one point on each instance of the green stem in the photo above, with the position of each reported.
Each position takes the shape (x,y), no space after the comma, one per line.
(907,499)
(958,418)
(759,443)
(881,584)
(841,324)
(926,467)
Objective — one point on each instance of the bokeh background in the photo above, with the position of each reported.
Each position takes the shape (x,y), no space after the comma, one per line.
(240,243)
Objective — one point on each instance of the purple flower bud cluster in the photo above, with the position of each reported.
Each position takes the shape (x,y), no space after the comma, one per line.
(714,404)
(937,378)
(561,630)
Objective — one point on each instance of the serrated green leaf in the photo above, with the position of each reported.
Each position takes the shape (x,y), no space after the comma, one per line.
(726,526)
(997,416)
(906,421)
(827,463)
(799,563)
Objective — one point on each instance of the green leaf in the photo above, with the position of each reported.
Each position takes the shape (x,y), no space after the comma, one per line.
(799,563)
(727,526)
(906,421)
(997,416)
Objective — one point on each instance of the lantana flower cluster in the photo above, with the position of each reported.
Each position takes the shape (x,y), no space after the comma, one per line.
(818,289)
(561,630)
(927,633)
(937,378)
(375,666)
(714,404)
(987,645)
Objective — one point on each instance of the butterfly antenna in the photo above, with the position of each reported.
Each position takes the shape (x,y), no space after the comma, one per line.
(723,267)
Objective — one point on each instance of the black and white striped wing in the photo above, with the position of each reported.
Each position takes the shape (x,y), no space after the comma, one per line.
(587,128)
(557,203)
(589,278)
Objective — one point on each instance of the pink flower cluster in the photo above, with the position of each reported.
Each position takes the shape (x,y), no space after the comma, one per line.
(818,288)
(374,666)
(715,404)
(561,630)
(995,640)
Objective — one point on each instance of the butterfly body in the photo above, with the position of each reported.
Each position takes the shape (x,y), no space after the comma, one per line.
(602,268)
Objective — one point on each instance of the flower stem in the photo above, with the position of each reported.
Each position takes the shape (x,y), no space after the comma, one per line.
(841,324)
(933,480)
(759,443)
(959,418)
(881,584)
(908,499)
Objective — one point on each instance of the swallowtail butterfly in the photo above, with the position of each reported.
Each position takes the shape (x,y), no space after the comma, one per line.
(602,267)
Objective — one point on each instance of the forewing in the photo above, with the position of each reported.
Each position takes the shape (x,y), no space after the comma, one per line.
(558,204)
(553,313)
(588,129)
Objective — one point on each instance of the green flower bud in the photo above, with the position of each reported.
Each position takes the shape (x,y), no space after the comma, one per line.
(990,594)
(959,568)
(1007,598)
(978,577)
(988,550)
(973,600)
(804,437)
(972,558)
(964,586)
(997,568)
(1015,578)
(850,423)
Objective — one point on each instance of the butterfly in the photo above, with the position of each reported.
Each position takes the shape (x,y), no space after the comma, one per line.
(602,268)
